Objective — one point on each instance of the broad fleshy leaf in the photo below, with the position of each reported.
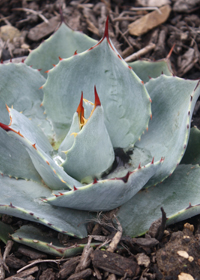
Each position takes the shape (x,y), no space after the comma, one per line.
(91,143)
(31,236)
(192,154)
(151,69)
(20,88)
(5,232)
(104,195)
(39,151)
(173,101)
(21,199)
(179,195)
(63,43)
(122,94)
(14,159)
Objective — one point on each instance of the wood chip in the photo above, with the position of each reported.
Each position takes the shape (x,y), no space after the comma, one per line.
(152,3)
(114,263)
(146,242)
(183,254)
(14,262)
(24,273)
(81,275)
(85,258)
(69,267)
(149,21)
(43,29)
(31,253)
(182,6)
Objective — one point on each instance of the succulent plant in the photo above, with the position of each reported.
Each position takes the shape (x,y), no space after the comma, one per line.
(91,135)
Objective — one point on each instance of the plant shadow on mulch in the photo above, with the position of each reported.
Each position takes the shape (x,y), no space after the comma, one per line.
(177,252)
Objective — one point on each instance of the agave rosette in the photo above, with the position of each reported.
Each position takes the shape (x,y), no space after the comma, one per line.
(62,161)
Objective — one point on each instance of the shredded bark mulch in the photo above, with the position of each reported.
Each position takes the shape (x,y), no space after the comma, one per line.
(163,253)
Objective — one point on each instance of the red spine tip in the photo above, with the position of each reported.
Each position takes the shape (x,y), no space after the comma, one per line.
(60,58)
(106,29)
(139,166)
(95,181)
(80,109)
(75,53)
(23,60)
(34,146)
(5,127)
(162,159)
(97,100)
(152,162)
(75,189)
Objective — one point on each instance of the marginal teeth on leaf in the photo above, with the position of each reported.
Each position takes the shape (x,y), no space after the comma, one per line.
(34,146)
(97,100)
(74,133)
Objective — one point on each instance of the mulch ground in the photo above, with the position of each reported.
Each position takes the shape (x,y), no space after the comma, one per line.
(167,253)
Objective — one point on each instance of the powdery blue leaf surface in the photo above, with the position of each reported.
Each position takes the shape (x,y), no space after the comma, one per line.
(104,195)
(29,130)
(151,69)
(31,236)
(52,174)
(92,152)
(122,94)
(14,159)
(173,101)
(21,199)
(192,154)
(179,195)
(63,43)
(20,88)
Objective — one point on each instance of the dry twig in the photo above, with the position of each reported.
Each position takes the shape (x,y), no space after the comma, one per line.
(117,237)
(32,12)
(141,52)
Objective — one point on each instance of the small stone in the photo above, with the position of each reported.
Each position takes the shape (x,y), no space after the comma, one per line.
(189,226)
(143,259)
(8,32)
(185,276)
(183,254)
(190,259)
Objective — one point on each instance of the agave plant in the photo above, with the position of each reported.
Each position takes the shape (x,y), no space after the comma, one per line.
(89,135)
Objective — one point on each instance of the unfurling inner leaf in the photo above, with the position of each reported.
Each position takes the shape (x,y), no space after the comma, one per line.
(89,141)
